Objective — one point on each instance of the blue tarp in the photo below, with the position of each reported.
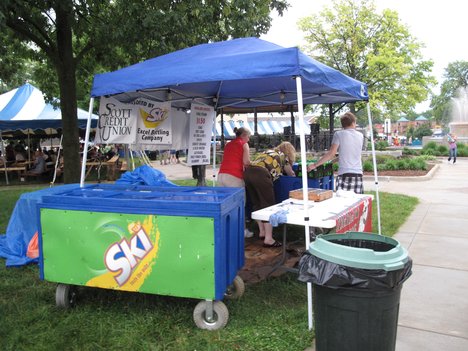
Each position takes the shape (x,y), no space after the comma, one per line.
(245,72)
(23,224)
(144,175)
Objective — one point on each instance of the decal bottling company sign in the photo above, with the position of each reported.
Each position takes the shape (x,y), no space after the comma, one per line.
(141,122)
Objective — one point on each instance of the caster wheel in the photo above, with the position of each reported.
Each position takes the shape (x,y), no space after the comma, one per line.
(65,296)
(235,290)
(219,319)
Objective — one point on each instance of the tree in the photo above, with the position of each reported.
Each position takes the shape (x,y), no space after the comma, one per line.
(71,39)
(14,60)
(455,78)
(422,130)
(375,48)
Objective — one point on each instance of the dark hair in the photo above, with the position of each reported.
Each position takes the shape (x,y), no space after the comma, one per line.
(347,119)
(241,131)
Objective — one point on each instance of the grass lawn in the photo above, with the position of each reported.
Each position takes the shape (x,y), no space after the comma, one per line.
(272,315)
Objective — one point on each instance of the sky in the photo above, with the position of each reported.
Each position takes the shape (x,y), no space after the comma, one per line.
(440,25)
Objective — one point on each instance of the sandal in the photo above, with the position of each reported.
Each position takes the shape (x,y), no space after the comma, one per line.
(275,244)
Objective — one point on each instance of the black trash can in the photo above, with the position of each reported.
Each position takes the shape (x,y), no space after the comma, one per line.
(357,280)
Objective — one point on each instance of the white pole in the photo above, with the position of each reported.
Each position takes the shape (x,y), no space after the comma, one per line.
(4,159)
(213,131)
(374,163)
(305,189)
(85,146)
(57,160)
(131,157)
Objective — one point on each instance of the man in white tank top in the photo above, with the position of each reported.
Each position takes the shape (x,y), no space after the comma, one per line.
(349,144)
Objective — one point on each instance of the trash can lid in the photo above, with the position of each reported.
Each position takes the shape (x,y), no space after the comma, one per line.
(360,250)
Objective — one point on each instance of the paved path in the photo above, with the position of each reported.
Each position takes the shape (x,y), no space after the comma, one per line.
(434,300)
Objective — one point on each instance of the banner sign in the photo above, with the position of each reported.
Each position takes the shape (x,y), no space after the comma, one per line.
(141,122)
(201,126)
(154,122)
(357,218)
(116,124)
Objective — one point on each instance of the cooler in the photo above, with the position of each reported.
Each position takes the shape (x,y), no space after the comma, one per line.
(178,241)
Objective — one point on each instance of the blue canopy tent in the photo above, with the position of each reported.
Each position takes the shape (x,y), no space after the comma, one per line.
(239,73)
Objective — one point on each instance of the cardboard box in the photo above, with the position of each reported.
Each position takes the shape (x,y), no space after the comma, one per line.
(313,194)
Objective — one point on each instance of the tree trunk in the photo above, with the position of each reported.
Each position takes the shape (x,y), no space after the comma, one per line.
(66,71)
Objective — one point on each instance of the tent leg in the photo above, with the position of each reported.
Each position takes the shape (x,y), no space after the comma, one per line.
(213,133)
(57,162)
(4,158)
(85,146)
(374,163)
(304,188)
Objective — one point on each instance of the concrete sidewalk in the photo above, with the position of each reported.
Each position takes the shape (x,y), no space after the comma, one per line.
(434,300)
(434,303)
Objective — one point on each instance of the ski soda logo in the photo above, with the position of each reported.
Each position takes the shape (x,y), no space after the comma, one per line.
(155,117)
(130,261)
(122,257)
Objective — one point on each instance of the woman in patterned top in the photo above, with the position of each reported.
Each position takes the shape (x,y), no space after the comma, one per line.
(259,178)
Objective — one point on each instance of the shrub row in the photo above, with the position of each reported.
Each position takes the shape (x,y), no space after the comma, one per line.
(390,164)
(433,149)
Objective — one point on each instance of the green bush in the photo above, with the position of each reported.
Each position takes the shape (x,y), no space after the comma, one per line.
(402,163)
(381,145)
(383,158)
(430,145)
(427,157)
(462,152)
(381,167)
(429,151)
(391,165)
(442,149)
(367,166)
(408,151)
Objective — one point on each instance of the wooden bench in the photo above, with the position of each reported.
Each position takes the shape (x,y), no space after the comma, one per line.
(19,169)
(111,165)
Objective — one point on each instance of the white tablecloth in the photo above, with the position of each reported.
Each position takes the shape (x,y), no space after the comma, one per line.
(324,214)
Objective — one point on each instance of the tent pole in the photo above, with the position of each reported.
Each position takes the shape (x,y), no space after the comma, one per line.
(374,163)
(4,158)
(222,130)
(213,129)
(130,151)
(85,146)
(57,161)
(332,125)
(256,141)
(29,148)
(305,189)
(292,137)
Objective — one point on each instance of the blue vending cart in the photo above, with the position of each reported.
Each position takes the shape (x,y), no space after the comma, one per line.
(177,241)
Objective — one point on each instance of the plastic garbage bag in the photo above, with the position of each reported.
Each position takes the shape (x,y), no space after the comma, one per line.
(356,260)
(144,175)
(335,276)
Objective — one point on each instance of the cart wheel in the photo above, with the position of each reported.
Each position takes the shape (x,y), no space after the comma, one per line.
(235,290)
(65,296)
(220,315)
